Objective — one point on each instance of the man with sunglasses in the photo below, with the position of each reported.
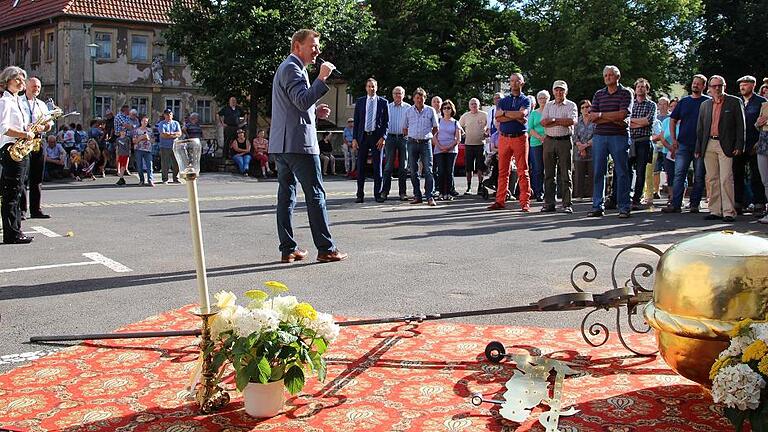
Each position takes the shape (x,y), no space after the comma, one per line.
(720,136)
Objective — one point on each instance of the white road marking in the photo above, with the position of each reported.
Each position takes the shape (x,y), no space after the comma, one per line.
(45,231)
(23,357)
(181,200)
(110,264)
(95,258)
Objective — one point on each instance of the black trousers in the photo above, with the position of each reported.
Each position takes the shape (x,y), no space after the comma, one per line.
(740,164)
(33,181)
(11,185)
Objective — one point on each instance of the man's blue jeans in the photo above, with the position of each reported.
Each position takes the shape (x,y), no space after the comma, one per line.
(683,159)
(618,147)
(395,147)
(304,169)
(421,150)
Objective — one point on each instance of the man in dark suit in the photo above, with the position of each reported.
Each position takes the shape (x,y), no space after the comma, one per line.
(720,135)
(371,122)
(293,141)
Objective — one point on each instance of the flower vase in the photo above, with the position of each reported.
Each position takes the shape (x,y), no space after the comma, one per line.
(264,400)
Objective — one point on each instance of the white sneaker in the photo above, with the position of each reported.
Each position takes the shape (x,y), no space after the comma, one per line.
(764,219)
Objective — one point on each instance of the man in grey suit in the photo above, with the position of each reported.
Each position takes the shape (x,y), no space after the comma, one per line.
(293,141)
(720,135)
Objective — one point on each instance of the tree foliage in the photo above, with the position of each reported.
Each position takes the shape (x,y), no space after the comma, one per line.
(574,39)
(235,46)
(733,39)
(453,48)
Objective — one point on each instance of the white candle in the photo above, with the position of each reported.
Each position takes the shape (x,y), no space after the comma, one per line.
(197,242)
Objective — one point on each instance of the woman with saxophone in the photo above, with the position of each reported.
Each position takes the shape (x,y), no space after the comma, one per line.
(13,125)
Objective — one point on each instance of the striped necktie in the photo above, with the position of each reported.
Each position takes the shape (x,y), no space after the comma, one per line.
(370,112)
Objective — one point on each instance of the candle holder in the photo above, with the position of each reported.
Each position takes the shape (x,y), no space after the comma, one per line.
(210,396)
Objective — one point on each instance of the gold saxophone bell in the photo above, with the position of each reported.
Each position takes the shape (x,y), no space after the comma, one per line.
(24,146)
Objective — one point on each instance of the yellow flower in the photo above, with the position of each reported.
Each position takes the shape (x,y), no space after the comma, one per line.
(276,287)
(755,351)
(257,295)
(719,364)
(305,310)
(763,366)
(741,327)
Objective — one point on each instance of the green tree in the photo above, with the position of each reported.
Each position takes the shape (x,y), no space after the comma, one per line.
(453,48)
(574,39)
(733,39)
(235,46)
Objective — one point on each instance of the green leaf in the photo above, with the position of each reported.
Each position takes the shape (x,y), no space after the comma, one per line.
(294,379)
(242,379)
(320,345)
(277,373)
(265,371)
(736,417)
(286,338)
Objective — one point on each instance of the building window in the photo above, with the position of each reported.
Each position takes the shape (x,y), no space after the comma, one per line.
(103,103)
(139,48)
(35,49)
(174,105)
(350,100)
(140,104)
(203,108)
(104,41)
(19,54)
(50,47)
(172,57)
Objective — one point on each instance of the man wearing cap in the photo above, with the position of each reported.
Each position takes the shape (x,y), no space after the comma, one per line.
(396,145)
(169,130)
(720,136)
(558,117)
(641,150)
(752,103)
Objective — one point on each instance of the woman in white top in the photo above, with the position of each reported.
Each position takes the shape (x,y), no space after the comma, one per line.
(13,124)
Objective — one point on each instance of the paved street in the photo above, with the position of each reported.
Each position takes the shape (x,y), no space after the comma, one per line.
(129,256)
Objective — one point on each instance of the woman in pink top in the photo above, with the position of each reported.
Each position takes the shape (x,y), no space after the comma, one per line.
(259,150)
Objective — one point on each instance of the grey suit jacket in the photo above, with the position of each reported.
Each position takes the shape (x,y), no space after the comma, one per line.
(731,128)
(293,109)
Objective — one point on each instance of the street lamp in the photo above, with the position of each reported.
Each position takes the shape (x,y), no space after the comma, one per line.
(93,48)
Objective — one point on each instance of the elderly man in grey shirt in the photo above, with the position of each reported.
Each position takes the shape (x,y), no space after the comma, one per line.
(419,126)
(558,117)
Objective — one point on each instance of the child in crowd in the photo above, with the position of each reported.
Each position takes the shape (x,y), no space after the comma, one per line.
(122,152)
(76,165)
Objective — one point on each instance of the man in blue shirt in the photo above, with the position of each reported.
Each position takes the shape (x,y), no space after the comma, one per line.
(686,114)
(396,144)
(350,154)
(169,130)
(512,115)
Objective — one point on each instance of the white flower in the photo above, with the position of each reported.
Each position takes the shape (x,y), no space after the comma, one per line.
(325,327)
(224,320)
(225,299)
(737,346)
(247,321)
(738,387)
(282,305)
(760,330)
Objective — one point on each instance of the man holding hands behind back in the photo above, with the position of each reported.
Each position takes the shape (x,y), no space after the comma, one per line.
(293,141)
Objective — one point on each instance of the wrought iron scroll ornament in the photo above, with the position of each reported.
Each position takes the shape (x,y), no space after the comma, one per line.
(623,299)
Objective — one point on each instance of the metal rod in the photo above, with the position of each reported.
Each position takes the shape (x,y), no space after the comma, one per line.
(134,335)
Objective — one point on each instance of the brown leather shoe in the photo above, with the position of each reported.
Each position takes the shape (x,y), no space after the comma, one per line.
(332,256)
(297,255)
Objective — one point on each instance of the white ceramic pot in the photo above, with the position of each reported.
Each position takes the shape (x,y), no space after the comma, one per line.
(264,400)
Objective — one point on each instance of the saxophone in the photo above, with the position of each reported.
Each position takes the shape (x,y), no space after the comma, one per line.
(23,146)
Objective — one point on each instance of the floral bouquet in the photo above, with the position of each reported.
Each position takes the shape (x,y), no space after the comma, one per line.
(274,337)
(739,376)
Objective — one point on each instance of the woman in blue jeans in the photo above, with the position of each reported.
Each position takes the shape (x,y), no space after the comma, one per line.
(142,142)
(446,147)
(241,152)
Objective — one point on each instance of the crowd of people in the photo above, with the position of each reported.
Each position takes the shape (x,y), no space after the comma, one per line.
(546,146)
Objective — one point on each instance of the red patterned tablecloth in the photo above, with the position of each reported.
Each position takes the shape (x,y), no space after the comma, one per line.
(380,378)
